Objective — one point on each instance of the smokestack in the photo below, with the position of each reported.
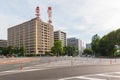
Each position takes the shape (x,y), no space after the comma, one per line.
(49,14)
(37,12)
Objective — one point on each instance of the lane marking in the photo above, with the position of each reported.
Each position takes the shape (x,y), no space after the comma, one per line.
(81,77)
(108,75)
(20,71)
(88,77)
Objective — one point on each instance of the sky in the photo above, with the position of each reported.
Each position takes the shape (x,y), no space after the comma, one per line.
(78,18)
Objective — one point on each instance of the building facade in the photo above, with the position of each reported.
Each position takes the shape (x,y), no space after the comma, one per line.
(35,35)
(76,43)
(3,43)
(88,46)
(60,35)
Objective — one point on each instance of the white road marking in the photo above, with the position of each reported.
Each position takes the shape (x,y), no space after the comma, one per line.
(88,77)
(19,71)
(106,75)
(34,68)
(81,77)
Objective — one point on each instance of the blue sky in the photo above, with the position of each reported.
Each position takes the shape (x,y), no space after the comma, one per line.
(78,18)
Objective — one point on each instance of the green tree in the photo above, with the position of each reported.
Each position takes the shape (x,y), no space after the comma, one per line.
(5,51)
(10,50)
(22,51)
(16,50)
(117,37)
(95,44)
(1,51)
(108,42)
(88,51)
(65,49)
(103,46)
(58,48)
(70,51)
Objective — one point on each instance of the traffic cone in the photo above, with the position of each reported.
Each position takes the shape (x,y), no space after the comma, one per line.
(49,61)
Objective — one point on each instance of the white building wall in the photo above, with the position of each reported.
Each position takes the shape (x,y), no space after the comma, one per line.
(76,43)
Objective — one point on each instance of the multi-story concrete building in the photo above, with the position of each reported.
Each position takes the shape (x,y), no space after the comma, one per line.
(3,43)
(35,35)
(88,46)
(76,43)
(60,35)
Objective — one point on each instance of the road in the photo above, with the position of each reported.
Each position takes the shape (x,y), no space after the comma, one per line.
(16,63)
(6,65)
(67,73)
(61,68)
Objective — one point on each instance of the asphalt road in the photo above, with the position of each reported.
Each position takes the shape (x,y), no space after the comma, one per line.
(65,72)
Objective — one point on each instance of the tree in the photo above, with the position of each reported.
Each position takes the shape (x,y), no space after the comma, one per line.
(0,50)
(95,44)
(22,51)
(7,51)
(10,50)
(16,50)
(58,48)
(70,51)
(117,37)
(107,44)
(88,51)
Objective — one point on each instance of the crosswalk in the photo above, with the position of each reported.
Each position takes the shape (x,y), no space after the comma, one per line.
(70,63)
(102,76)
(44,66)
(19,71)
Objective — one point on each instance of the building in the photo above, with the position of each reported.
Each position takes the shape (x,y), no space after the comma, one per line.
(60,35)
(3,43)
(76,43)
(35,35)
(88,46)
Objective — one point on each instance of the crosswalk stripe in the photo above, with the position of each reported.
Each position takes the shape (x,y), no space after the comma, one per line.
(19,71)
(81,77)
(106,75)
(88,77)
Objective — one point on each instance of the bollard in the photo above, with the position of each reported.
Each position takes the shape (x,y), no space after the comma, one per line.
(71,63)
(110,61)
(92,61)
(49,61)
(115,60)
(87,58)
(100,60)
(21,66)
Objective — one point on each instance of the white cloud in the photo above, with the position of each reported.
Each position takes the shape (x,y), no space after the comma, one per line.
(7,21)
(79,18)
